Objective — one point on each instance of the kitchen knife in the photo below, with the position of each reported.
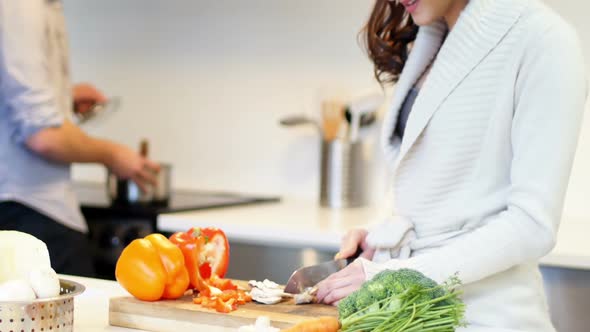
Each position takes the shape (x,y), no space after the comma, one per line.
(309,276)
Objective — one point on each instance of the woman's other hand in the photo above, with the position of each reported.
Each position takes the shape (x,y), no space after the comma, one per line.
(351,242)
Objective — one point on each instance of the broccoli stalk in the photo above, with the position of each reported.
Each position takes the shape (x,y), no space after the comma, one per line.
(403,300)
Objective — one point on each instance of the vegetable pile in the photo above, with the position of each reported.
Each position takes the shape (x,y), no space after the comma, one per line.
(156,268)
(403,300)
(222,295)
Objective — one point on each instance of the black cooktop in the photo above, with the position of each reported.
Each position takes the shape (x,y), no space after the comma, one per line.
(94,197)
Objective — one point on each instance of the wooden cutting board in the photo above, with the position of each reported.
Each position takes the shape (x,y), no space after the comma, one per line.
(183,315)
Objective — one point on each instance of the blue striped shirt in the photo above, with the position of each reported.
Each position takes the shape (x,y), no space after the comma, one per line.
(35,93)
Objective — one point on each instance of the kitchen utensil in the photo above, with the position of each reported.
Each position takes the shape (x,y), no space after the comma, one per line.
(332,115)
(144,148)
(343,174)
(310,276)
(98,110)
(300,120)
(360,107)
(51,314)
(183,315)
(366,119)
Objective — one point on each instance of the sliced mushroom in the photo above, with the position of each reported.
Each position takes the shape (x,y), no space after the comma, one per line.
(307,296)
(267,292)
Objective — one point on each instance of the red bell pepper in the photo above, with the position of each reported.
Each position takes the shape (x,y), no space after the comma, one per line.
(206,252)
(215,257)
(191,249)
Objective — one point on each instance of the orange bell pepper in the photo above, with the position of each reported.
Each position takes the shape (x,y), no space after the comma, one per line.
(152,268)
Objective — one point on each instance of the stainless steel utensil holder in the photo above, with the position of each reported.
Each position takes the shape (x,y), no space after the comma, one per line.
(343,174)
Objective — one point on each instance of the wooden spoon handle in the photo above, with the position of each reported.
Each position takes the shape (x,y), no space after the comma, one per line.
(144,148)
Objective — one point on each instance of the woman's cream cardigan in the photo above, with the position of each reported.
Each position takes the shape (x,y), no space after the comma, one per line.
(481,174)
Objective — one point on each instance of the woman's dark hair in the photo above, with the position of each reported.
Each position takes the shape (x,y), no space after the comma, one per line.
(387,38)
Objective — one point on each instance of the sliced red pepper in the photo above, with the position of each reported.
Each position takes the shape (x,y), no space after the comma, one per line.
(243,297)
(215,256)
(225,307)
(224,302)
(222,284)
(206,253)
(191,248)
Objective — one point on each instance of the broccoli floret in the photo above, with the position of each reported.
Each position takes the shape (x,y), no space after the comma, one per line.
(406,278)
(388,284)
(347,306)
(366,298)
(399,281)
(403,279)
(391,299)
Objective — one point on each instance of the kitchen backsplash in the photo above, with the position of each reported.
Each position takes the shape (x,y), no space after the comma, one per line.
(207,82)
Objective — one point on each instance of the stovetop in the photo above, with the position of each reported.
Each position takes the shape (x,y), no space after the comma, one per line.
(94,197)
(113,227)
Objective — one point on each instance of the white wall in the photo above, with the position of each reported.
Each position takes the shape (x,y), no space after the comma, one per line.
(207,81)
(578,198)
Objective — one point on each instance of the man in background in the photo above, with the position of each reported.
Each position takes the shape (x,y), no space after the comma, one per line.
(38,141)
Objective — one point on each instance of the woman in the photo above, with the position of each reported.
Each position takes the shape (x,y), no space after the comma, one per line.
(495,93)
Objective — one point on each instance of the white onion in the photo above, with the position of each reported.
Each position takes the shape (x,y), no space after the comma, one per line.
(45,282)
(16,290)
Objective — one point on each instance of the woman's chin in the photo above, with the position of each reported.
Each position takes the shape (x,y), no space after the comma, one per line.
(422,20)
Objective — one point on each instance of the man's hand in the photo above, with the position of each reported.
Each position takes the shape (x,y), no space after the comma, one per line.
(85,96)
(128,164)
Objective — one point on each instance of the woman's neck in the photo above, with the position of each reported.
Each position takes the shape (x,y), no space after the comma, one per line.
(454,11)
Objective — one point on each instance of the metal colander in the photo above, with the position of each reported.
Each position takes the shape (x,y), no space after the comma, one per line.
(44,315)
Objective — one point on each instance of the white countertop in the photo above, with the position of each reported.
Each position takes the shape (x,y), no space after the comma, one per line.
(304,224)
(91,308)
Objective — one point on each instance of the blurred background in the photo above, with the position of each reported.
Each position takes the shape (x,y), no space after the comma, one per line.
(206,82)
(214,77)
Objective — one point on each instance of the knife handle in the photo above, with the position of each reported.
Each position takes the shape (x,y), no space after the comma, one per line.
(356,255)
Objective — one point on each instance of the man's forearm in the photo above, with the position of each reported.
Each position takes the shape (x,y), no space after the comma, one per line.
(69,144)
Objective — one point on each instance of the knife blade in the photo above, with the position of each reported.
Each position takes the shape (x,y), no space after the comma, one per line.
(309,276)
